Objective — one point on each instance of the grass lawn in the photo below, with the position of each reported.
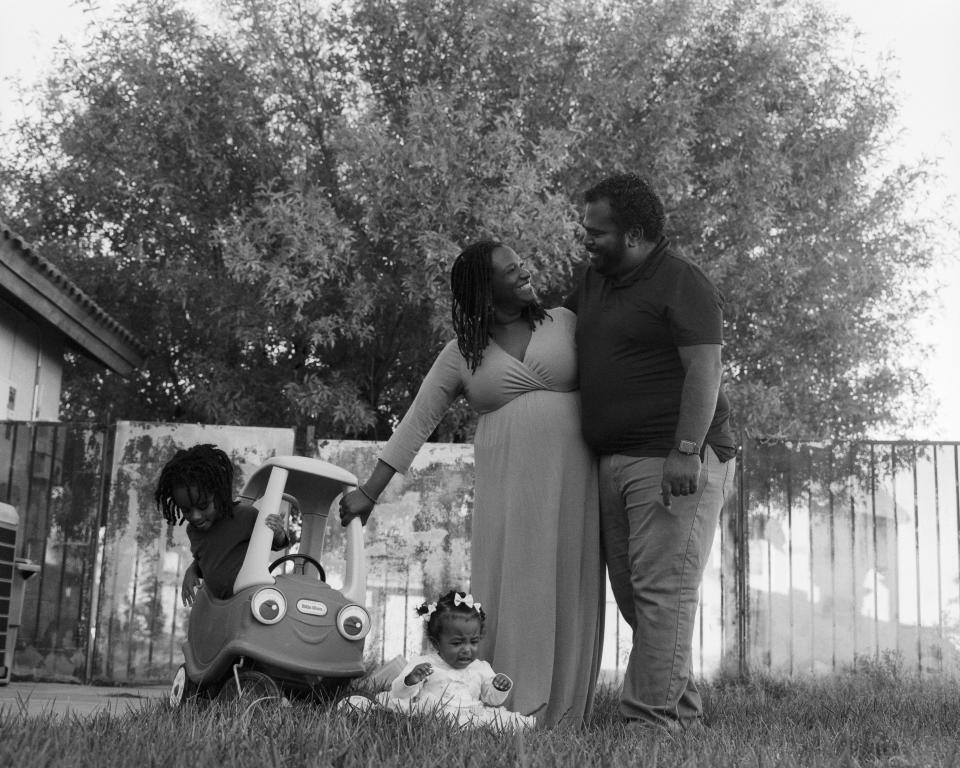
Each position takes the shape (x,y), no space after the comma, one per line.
(872,718)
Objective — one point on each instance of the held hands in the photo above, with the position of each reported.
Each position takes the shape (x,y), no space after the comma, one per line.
(418,674)
(355,504)
(681,476)
(501,682)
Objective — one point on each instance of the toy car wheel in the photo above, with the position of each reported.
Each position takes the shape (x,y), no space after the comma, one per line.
(255,687)
(182,689)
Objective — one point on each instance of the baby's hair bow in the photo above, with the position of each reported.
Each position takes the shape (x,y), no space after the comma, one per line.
(466,600)
(426,609)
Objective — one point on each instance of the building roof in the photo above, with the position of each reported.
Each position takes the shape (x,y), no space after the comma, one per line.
(28,280)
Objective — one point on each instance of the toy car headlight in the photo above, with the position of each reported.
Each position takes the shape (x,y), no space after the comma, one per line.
(353,622)
(268,606)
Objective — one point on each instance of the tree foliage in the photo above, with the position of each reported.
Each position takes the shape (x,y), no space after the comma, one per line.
(274,204)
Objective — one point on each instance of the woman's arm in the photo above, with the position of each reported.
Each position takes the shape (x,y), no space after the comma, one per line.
(360,503)
(441,386)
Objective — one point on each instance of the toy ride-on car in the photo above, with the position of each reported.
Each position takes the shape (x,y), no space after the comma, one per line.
(281,631)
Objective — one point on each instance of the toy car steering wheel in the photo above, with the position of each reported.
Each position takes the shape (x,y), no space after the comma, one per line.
(304,560)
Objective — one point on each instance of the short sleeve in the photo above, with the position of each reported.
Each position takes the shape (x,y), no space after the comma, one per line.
(246,513)
(695,310)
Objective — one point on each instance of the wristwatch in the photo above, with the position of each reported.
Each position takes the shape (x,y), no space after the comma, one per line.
(688,448)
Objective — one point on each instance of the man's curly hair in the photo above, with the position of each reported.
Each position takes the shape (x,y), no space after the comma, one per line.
(633,204)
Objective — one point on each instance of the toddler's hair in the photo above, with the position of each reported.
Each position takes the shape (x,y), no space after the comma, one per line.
(205,471)
(446,606)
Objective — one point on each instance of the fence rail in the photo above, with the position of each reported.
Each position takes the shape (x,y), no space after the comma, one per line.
(829,556)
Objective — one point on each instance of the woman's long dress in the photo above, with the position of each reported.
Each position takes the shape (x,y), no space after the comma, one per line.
(535,548)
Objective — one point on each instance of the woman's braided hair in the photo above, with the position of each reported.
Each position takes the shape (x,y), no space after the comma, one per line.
(205,471)
(470,284)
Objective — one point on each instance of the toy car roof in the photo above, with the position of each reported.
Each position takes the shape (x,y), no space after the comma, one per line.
(308,478)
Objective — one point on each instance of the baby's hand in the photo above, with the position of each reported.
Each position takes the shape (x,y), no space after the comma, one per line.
(418,674)
(501,682)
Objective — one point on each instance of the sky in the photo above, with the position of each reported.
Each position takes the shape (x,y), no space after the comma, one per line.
(922,35)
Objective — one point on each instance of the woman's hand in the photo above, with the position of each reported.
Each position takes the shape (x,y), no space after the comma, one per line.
(355,504)
(361,500)
(501,682)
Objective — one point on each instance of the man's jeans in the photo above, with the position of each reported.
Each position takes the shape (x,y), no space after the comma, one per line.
(656,558)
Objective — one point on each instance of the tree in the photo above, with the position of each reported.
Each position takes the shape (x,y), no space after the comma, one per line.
(149,137)
(770,183)
(355,150)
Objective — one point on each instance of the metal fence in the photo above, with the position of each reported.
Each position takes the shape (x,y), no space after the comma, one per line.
(53,474)
(853,555)
(829,556)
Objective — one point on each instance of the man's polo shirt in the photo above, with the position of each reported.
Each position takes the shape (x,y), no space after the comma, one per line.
(628,332)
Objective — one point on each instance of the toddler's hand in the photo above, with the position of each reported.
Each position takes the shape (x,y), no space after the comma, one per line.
(418,674)
(501,682)
(191,583)
(280,536)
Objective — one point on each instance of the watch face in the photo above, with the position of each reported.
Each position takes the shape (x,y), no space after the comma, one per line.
(687,446)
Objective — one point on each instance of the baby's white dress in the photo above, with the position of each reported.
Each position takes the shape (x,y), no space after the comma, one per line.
(466,696)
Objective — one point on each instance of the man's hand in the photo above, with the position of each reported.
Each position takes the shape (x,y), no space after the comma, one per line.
(681,476)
